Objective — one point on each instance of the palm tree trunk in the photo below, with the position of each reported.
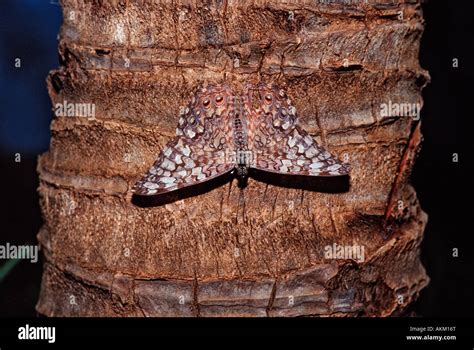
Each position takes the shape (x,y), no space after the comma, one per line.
(267,249)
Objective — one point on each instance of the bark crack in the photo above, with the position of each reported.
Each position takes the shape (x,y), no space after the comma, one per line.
(271,300)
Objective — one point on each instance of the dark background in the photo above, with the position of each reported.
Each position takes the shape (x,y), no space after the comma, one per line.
(28,30)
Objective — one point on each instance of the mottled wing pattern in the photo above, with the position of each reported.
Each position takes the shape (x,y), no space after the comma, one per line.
(198,153)
(278,144)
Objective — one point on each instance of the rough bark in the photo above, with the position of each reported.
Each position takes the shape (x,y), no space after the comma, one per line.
(226,251)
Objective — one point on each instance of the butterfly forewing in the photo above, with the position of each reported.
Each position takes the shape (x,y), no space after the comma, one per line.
(278,144)
(199,151)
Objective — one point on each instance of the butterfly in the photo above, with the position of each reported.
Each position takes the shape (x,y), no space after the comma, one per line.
(221,131)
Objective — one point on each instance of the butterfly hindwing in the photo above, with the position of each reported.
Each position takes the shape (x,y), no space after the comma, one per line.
(299,154)
(198,153)
(180,165)
(279,145)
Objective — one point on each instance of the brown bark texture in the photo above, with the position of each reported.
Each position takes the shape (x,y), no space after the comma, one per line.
(227,251)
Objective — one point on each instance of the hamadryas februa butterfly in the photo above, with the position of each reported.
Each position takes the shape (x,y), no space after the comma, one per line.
(221,132)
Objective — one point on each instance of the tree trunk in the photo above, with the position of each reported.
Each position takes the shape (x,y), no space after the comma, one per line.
(259,251)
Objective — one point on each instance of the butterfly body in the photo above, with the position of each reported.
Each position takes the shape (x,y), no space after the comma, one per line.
(240,153)
(222,131)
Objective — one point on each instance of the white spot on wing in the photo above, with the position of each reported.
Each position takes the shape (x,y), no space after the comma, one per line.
(169,165)
(308,140)
(311,152)
(186,150)
(167,180)
(316,165)
(291,141)
(151,185)
(334,167)
(190,133)
(189,163)
(167,152)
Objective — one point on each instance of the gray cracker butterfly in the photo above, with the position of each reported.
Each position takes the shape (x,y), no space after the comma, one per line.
(221,132)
